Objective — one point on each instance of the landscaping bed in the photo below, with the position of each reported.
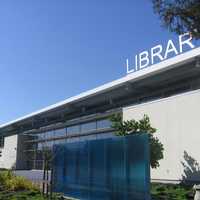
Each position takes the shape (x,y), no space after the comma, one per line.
(171,192)
(18,188)
(14,187)
(21,195)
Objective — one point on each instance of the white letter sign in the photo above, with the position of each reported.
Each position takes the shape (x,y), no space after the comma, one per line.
(158,53)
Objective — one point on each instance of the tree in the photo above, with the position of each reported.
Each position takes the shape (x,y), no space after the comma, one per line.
(47,157)
(128,127)
(179,16)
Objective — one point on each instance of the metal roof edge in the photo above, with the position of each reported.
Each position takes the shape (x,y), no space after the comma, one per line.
(150,70)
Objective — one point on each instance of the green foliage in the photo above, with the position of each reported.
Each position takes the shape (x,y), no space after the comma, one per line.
(128,127)
(9,181)
(170,191)
(21,195)
(18,188)
(25,195)
(179,16)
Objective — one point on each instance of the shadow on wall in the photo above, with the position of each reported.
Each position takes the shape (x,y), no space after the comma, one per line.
(191,169)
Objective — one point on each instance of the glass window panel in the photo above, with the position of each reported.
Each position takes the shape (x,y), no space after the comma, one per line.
(39,156)
(60,132)
(34,137)
(39,164)
(88,127)
(47,144)
(31,137)
(57,142)
(73,130)
(104,123)
(105,135)
(40,136)
(40,146)
(50,144)
(29,146)
(60,141)
(82,138)
(89,137)
(72,140)
(49,134)
(82,169)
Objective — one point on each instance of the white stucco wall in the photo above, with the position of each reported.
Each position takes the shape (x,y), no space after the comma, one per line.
(9,152)
(177,120)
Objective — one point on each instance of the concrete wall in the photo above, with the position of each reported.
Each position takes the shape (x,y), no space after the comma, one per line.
(177,120)
(9,152)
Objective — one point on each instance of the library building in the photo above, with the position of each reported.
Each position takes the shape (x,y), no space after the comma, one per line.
(163,83)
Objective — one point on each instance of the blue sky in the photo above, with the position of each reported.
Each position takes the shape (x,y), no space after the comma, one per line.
(53,49)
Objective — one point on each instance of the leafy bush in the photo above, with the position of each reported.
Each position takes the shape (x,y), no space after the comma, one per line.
(15,183)
(161,191)
(21,195)
(129,127)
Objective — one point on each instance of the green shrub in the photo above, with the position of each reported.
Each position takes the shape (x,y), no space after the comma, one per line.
(130,127)
(4,177)
(15,183)
(161,191)
(19,183)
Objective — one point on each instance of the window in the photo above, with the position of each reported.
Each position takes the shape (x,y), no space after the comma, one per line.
(63,141)
(49,134)
(40,146)
(49,144)
(60,132)
(104,123)
(41,136)
(1,141)
(88,127)
(73,130)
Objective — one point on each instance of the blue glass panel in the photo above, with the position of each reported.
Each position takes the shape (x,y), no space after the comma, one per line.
(49,134)
(115,167)
(40,136)
(40,146)
(97,169)
(71,130)
(58,176)
(60,132)
(104,169)
(83,170)
(88,127)
(104,123)
(137,167)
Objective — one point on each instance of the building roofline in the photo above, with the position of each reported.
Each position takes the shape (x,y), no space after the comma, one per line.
(150,70)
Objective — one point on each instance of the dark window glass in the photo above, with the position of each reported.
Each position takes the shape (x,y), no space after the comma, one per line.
(30,137)
(1,142)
